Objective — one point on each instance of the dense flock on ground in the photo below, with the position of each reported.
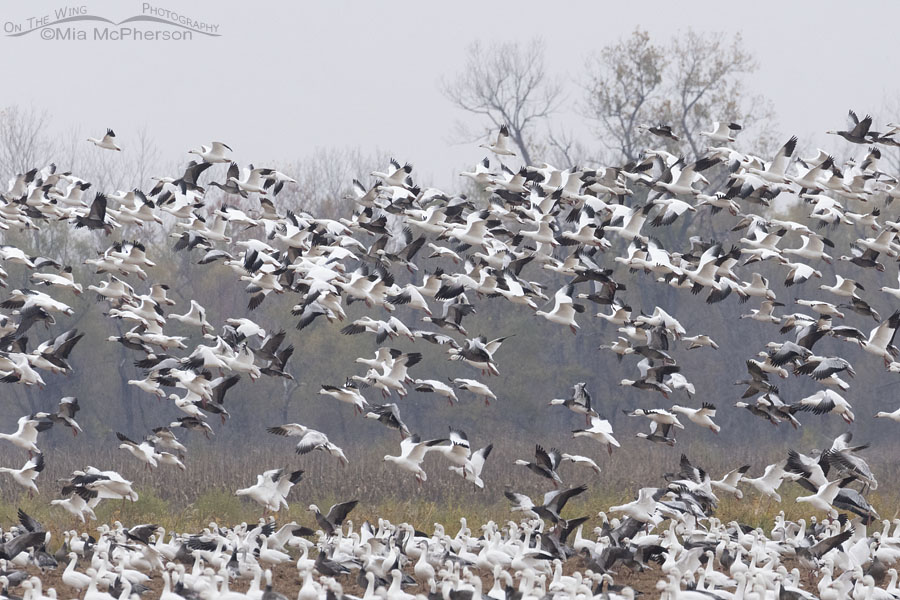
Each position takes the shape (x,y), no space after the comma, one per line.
(441,258)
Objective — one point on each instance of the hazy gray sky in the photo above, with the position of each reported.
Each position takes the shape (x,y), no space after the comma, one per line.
(286,77)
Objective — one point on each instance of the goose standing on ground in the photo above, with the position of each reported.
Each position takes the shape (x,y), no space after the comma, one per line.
(107,142)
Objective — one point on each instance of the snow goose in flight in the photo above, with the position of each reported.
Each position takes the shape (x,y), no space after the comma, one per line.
(799,273)
(103,484)
(842,458)
(619,314)
(63,279)
(846,288)
(579,402)
(823,308)
(883,243)
(648,384)
(347,393)
(25,437)
(500,146)
(144,451)
(893,416)
(827,401)
(770,481)
(659,434)
(581,460)
(600,430)
(683,184)
(252,182)
(310,440)
(271,488)
(393,376)
(629,226)
(271,178)
(551,506)
(765,312)
(65,414)
(163,437)
(28,473)
(458,451)
(476,387)
(861,307)
(107,142)
(96,216)
(389,416)
(479,352)
(471,470)
(76,505)
(396,175)
(881,339)
(193,424)
(660,130)
(860,131)
(564,309)
(824,497)
(701,416)
(776,170)
(729,482)
(644,508)
(438,387)
(214,153)
(545,464)
(412,452)
(722,132)
(823,368)
(332,521)
(196,317)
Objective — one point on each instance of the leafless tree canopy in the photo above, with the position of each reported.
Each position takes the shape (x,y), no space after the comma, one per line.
(507,83)
(623,86)
(687,83)
(23,140)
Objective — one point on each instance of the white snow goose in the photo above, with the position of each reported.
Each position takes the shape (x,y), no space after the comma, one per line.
(107,142)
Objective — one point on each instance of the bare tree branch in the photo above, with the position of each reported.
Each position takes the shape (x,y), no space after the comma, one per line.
(507,83)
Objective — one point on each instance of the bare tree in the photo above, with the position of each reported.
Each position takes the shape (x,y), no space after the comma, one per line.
(689,82)
(508,84)
(24,141)
(624,82)
(707,85)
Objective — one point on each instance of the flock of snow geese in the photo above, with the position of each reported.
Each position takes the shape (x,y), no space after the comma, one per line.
(590,229)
